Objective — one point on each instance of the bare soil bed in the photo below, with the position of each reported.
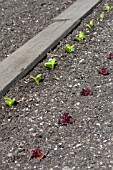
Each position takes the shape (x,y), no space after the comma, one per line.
(88,142)
(20,20)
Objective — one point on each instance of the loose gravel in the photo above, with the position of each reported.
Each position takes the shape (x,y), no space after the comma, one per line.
(85,144)
(20,20)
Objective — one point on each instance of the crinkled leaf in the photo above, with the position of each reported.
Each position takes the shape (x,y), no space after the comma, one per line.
(51,63)
(81,37)
(86,92)
(10,102)
(66,119)
(103,71)
(69,48)
(108,8)
(36,153)
(110,56)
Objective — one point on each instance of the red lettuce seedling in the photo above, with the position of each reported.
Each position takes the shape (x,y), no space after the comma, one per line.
(36,153)
(103,71)
(110,56)
(86,92)
(66,119)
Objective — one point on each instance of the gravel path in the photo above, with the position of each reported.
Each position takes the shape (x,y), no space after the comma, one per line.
(85,144)
(20,20)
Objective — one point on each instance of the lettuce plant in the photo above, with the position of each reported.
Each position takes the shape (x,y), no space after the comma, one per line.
(108,8)
(110,56)
(102,16)
(10,102)
(36,153)
(103,71)
(66,119)
(37,78)
(69,48)
(51,63)
(86,92)
(80,37)
(91,24)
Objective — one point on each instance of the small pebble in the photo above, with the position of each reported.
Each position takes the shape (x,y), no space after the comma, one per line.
(66,168)
(10,155)
(31,130)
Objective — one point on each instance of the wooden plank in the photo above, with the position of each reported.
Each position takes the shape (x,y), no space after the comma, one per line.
(77,10)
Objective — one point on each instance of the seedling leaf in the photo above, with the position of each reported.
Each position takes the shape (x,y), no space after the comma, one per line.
(69,48)
(10,102)
(102,16)
(81,37)
(51,63)
(108,8)
(91,24)
(37,78)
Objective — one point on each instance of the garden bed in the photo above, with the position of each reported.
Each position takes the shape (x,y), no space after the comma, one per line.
(87,143)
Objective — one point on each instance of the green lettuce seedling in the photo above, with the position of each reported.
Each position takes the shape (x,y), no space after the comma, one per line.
(51,63)
(37,78)
(91,24)
(10,102)
(102,16)
(81,37)
(69,48)
(108,8)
